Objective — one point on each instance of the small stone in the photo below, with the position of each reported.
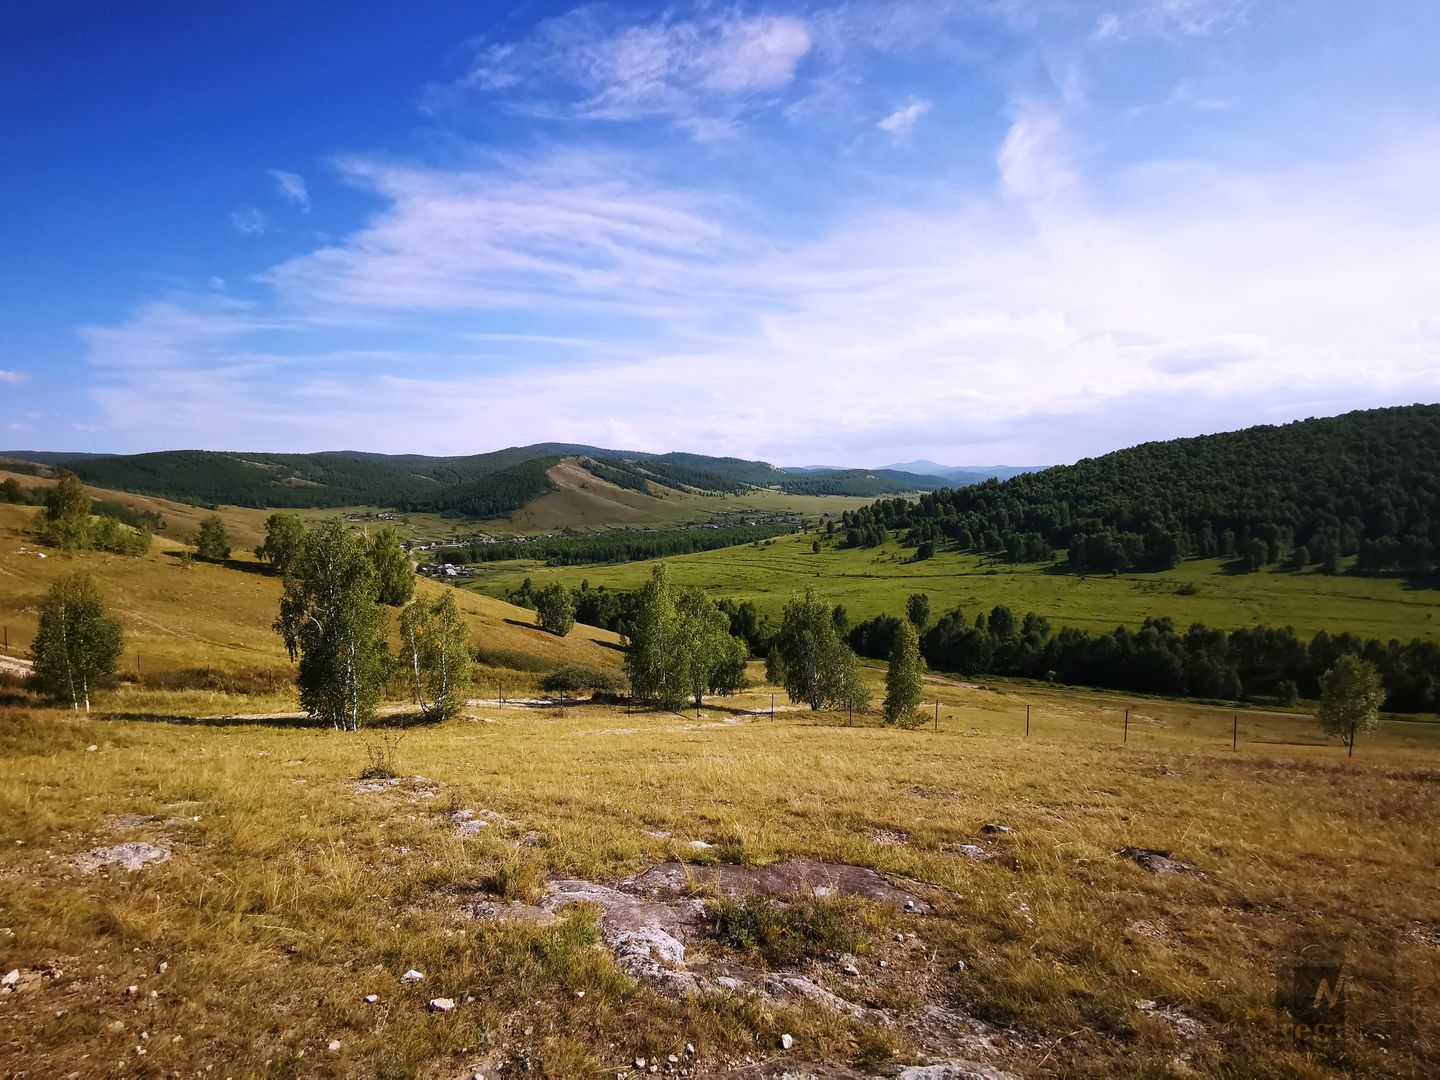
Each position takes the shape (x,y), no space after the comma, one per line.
(851,970)
(883,964)
(443,1005)
(91,748)
(411,976)
(689,1049)
(909,905)
(115,1027)
(162,967)
(334,1046)
(371,999)
(639,1063)
(996,830)
(131,991)
(899,937)
(579,993)
(11,978)
(959,965)
(674,1059)
(787,1041)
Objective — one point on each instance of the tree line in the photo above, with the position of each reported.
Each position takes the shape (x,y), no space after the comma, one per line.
(1311,493)
(619,545)
(1269,664)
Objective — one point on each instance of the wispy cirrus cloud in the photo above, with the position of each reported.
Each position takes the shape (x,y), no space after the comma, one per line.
(573,229)
(12,378)
(249,221)
(292,187)
(594,63)
(1170,18)
(899,122)
(1204,298)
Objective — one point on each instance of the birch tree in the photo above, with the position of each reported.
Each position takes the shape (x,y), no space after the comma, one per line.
(331,620)
(1351,694)
(437,647)
(394,575)
(814,665)
(905,678)
(652,662)
(77,643)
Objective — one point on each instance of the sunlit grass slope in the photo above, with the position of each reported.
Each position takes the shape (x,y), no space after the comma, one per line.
(871,582)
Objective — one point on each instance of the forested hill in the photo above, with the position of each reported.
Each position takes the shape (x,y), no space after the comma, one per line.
(478,485)
(1315,491)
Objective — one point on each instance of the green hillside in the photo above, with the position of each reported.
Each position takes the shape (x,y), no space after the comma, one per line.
(477,486)
(1366,484)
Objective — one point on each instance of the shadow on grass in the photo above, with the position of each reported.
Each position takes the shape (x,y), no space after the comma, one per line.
(393,721)
(262,569)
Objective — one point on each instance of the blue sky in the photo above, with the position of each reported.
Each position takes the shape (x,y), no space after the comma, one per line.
(980,232)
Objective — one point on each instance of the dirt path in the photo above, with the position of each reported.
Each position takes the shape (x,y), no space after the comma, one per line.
(13,665)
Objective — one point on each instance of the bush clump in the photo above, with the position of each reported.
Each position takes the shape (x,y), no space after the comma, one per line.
(786,933)
(577,678)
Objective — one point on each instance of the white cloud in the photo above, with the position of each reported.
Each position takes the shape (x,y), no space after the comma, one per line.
(1170,18)
(292,187)
(899,122)
(249,221)
(571,230)
(1186,298)
(14,378)
(696,72)
(1033,160)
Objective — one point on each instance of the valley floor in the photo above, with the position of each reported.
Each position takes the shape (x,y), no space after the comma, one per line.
(291,891)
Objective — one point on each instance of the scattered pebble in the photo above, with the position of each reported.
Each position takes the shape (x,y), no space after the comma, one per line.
(131,991)
(443,1005)
(334,1046)
(411,976)
(787,1041)
(11,978)
(371,999)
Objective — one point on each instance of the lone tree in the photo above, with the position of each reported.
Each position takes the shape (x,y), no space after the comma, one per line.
(284,534)
(331,620)
(651,662)
(917,610)
(811,661)
(905,678)
(437,644)
(212,541)
(77,643)
(708,656)
(554,609)
(65,521)
(394,576)
(1351,694)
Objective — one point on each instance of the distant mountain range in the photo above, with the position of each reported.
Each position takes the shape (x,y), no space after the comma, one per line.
(478,485)
(962,474)
(954,474)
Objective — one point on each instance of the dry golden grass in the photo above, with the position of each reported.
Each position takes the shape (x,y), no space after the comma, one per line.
(204,619)
(290,896)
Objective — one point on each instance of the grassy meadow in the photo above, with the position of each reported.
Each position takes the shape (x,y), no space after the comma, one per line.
(291,891)
(877,581)
(290,895)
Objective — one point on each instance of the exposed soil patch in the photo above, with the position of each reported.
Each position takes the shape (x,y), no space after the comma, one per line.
(417,787)
(793,877)
(132,856)
(660,932)
(1160,863)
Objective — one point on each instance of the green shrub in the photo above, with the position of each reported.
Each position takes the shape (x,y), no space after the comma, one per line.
(575,678)
(514,659)
(786,933)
